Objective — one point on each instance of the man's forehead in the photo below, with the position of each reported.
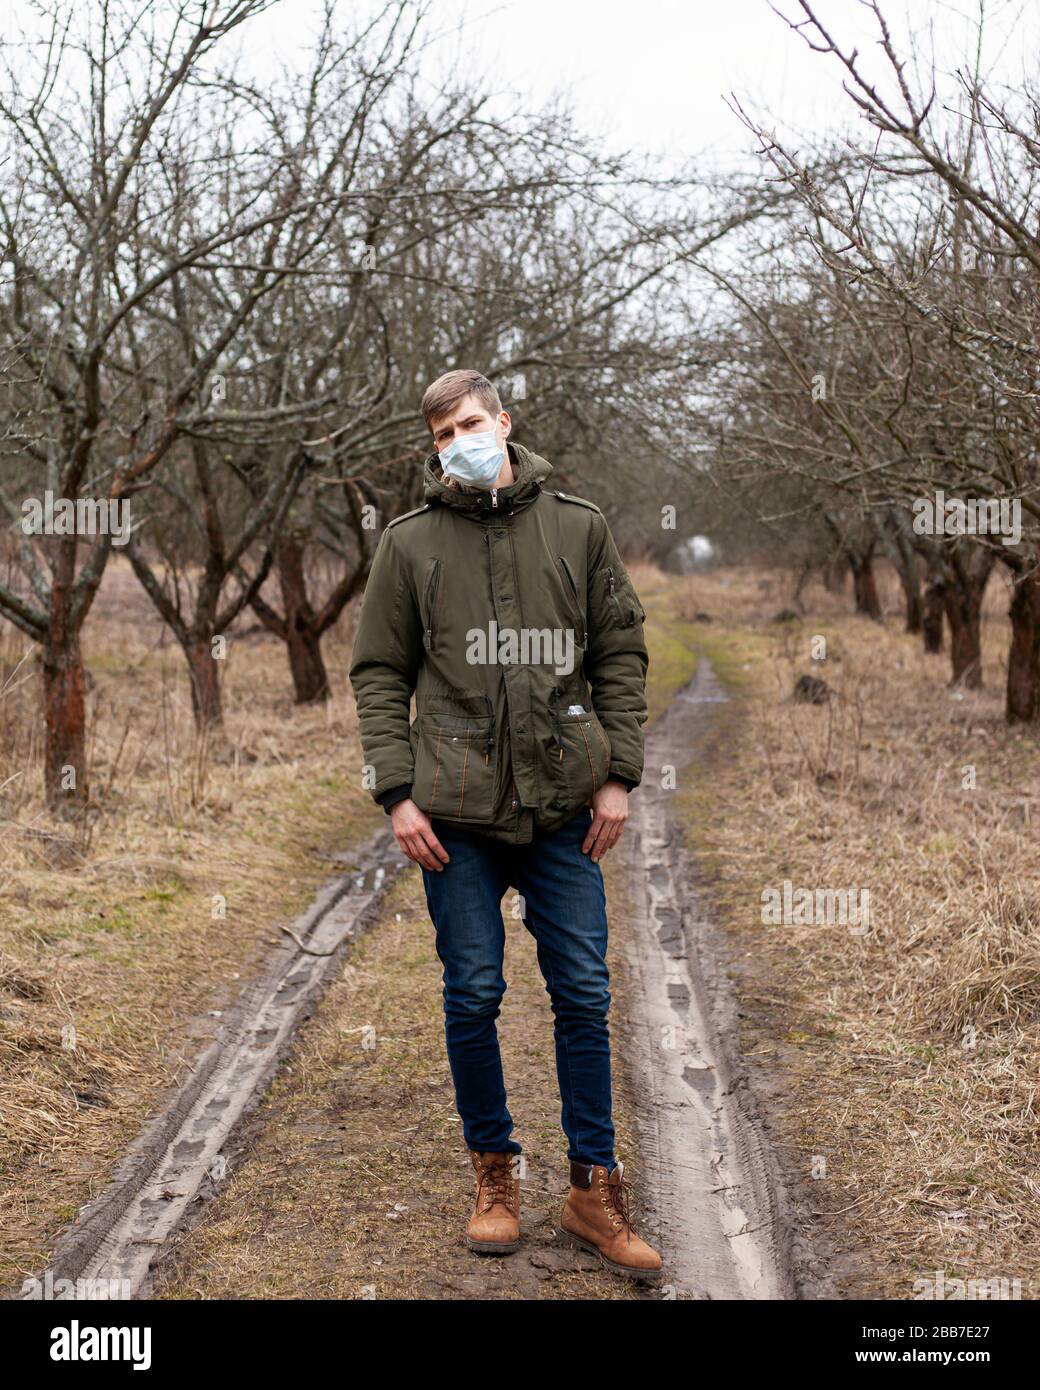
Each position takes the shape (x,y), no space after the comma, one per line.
(467,406)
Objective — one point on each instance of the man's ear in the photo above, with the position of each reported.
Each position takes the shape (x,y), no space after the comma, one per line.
(506,424)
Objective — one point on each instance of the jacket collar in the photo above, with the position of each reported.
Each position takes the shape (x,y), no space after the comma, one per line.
(529,471)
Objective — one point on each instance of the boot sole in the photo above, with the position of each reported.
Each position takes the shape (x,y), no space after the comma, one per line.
(642,1276)
(492,1247)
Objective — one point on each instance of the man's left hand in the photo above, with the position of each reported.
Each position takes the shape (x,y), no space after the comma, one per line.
(609,813)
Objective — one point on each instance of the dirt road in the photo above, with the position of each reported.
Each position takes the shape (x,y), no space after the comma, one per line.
(314,1150)
(712,1187)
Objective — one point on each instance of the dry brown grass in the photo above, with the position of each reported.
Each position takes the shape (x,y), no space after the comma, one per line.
(109,943)
(905,1058)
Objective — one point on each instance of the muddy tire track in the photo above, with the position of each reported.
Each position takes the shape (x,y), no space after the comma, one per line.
(712,1191)
(177,1159)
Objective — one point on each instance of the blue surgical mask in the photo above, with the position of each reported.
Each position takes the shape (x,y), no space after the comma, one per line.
(475,459)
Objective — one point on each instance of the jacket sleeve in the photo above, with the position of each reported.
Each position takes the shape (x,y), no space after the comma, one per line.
(616,661)
(384,668)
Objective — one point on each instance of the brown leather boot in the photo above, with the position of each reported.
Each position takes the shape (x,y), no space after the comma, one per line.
(494,1227)
(596,1217)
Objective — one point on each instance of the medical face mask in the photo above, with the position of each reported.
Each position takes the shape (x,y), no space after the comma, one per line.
(475,459)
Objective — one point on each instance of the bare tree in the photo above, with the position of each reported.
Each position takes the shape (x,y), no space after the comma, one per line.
(97,235)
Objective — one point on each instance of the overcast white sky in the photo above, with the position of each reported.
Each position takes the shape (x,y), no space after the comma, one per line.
(652,74)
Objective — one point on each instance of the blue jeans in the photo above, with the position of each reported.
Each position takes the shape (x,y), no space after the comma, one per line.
(564,909)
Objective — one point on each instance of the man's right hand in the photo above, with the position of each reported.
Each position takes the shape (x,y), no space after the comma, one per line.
(414,834)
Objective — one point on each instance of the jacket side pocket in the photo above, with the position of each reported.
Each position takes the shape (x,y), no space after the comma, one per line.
(455,767)
(579,752)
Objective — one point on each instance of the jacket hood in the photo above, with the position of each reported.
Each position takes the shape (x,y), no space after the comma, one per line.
(529,472)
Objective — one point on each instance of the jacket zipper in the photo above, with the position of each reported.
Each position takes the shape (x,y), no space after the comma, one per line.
(490,744)
(554,707)
(611,584)
(569,579)
(432,582)
(494,498)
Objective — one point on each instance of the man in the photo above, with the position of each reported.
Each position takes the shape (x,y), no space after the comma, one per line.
(505,608)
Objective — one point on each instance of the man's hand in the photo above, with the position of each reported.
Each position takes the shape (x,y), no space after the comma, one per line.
(415,835)
(609,813)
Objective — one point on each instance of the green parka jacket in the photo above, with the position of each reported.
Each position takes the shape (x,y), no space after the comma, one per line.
(512,619)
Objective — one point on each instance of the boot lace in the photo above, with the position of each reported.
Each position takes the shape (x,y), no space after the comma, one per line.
(495,1184)
(618,1202)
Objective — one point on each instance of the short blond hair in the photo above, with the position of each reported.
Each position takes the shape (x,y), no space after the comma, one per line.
(442,395)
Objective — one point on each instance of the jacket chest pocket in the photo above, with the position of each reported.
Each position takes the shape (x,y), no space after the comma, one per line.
(428,601)
(455,766)
(574,604)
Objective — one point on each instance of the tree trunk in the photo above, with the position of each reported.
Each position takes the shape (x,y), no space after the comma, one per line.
(932,618)
(965,644)
(310,679)
(804,575)
(1023,675)
(914,607)
(65,713)
(204,670)
(864,585)
(834,577)
(302,628)
(964,614)
(910,581)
